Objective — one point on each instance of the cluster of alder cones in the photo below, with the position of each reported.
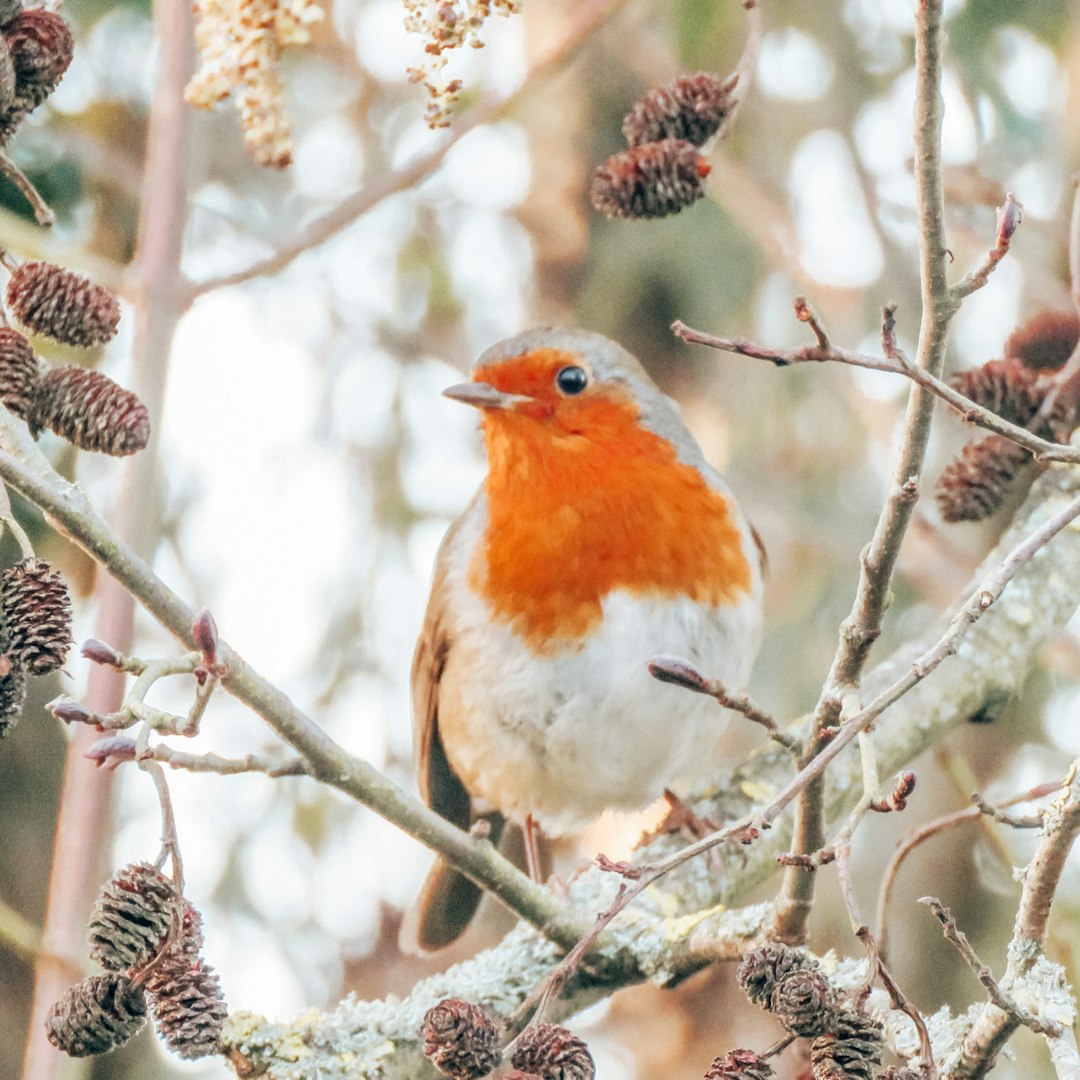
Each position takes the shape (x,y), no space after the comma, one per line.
(81,405)
(149,940)
(847,1044)
(662,171)
(464,1043)
(35,632)
(980,479)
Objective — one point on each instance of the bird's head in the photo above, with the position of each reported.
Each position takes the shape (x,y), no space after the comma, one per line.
(564,383)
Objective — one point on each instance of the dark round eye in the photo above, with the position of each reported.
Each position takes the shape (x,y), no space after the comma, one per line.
(572,380)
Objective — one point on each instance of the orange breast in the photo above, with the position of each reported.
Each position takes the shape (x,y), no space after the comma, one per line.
(573,518)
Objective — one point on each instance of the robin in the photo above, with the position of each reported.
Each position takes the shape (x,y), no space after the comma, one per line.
(600,538)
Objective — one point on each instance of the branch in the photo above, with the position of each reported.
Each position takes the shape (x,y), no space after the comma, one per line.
(994,1026)
(680,672)
(996,994)
(971,411)
(329,224)
(861,628)
(23,466)
(910,841)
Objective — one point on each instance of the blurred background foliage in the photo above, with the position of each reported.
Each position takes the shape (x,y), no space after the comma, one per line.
(308,465)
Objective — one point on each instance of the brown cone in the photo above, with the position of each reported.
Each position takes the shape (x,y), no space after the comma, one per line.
(763,967)
(850,1051)
(41,48)
(20,373)
(132,917)
(37,613)
(96,1015)
(189,1008)
(553,1053)
(649,181)
(63,305)
(91,411)
(460,1039)
(739,1065)
(691,107)
(12,696)
(1045,342)
(974,484)
(804,1002)
(1005,387)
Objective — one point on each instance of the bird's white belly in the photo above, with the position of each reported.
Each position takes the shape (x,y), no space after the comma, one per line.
(568,735)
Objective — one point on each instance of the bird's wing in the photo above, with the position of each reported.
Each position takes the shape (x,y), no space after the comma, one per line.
(439,785)
(447,900)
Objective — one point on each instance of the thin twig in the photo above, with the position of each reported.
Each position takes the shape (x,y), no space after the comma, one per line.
(993,1027)
(680,672)
(1009,217)
(170,841)
(214,763)
(1002,1000)
(971,411)
(913,839)
(876,965)
(43,212)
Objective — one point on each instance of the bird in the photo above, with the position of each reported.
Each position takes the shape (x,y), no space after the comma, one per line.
(600,537)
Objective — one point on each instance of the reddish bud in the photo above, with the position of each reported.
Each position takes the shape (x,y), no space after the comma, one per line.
(71,712)
(112,751)
(100,653)
(1010,214)
(205,632)
(679,672)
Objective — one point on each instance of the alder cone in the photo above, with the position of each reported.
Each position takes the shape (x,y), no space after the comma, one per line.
(20,372)
(851,1051)
(762,968)
(12,697)
(650,181)
(690,107)
(976,482)
(739,1065)
(41,47)
(37,615)
(91,411)
(1005,387)
(189,1007)
(96,1015)
(132,917)
(1046,341)
(553,1053)
(804,1002)
(460,1039)
(62,305)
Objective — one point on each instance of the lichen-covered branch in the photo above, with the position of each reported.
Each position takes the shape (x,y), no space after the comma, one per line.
(1026,965)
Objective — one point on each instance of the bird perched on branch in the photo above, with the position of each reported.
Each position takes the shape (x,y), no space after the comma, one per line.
(600,538)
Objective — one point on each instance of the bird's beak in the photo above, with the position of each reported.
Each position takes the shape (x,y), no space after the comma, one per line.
(484,396)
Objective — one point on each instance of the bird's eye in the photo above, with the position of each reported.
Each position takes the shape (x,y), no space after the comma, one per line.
(572,380)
